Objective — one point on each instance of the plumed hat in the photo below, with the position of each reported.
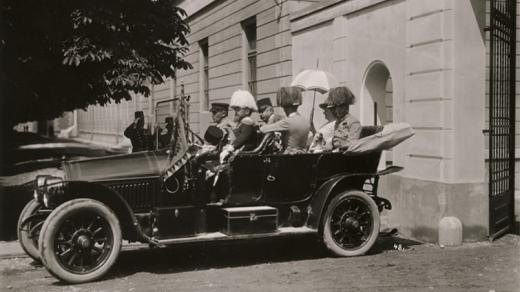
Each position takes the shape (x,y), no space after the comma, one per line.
(287,96)
(219,106)
(213,135)
(340,96)
(263,103)
(242,98)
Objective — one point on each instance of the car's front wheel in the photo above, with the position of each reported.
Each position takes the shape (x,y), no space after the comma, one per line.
(350,224)
(28,229)
(80,241)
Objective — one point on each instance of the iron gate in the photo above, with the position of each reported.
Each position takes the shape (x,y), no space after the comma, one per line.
(502,116)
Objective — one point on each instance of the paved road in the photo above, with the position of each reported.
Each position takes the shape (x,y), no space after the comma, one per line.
(293,265)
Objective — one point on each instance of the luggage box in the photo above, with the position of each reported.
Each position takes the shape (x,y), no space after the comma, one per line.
(176,221)
(248,220)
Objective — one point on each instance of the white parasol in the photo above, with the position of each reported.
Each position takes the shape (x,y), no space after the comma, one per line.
(317,80)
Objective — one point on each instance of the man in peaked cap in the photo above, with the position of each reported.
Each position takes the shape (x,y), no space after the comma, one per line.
(347,128)
(266,111)
(215,133)
(141,141)
(295,127)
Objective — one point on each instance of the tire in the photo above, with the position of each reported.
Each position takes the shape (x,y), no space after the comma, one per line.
(350,226)
(29,240)
(80,241)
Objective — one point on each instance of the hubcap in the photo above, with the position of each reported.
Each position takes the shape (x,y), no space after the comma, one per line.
(84,241)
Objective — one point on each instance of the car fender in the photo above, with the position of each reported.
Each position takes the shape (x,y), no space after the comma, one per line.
(331,187)
(129,223)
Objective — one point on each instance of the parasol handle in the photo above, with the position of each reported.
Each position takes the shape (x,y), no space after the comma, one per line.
(313,129)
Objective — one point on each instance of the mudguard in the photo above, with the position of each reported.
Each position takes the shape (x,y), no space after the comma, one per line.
(91,190)
(337,184)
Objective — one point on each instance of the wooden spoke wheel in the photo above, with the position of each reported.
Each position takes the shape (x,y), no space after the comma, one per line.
(350,224)
(80,241)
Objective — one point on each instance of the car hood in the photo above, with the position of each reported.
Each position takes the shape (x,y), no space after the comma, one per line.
(125,166)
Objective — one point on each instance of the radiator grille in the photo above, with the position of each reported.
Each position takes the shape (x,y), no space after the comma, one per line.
(141,196)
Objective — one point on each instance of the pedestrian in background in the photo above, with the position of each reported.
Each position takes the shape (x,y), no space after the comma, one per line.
(140,139)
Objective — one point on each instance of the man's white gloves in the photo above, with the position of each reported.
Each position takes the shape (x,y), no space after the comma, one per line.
(226,152)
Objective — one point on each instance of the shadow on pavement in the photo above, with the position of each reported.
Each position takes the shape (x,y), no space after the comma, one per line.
(217,255)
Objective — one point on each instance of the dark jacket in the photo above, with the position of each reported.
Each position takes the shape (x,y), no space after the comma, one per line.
(245,134)
(141,141)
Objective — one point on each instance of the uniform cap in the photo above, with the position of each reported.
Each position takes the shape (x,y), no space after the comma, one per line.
(219,106)
(139,114)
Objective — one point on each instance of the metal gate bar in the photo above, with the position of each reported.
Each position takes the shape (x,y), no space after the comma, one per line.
(502,79)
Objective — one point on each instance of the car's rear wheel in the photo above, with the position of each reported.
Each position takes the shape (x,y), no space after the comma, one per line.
(350,224)
(29,232)
(80,241)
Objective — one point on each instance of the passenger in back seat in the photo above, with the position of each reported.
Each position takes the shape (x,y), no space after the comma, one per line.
(295,128)
(347,128)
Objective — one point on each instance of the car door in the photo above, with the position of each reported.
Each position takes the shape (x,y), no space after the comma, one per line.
(245,179)
(288,178)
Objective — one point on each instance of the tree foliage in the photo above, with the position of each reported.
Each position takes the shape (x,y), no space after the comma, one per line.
(60,55)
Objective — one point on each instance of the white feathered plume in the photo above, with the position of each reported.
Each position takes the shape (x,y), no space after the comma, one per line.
(242,98)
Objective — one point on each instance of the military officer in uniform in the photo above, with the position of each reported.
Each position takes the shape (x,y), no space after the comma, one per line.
(266,111)
(347,128)
(141,140)
(295,128)
(214,133)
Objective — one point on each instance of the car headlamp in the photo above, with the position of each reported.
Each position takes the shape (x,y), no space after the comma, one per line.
(46,200)
(40,180)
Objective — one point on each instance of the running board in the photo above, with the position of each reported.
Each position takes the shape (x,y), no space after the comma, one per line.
(213,236)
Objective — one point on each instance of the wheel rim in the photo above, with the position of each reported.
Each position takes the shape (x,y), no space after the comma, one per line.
(351,223)
(83,242)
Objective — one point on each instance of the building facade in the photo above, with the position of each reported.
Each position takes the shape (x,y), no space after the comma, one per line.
(422,62)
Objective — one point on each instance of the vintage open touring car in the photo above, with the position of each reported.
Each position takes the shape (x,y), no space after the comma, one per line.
(76,225)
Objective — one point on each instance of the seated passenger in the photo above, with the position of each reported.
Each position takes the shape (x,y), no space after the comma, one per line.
(266,111)
(243,103)
(295,127)
(322,140)
(347,128)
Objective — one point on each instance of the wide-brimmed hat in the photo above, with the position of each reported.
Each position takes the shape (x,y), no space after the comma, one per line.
(340,96)
(287,96)
(263,103)
(243,99)
(219,106)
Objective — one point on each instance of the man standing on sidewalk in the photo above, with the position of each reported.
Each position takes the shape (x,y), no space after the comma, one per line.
(137,134)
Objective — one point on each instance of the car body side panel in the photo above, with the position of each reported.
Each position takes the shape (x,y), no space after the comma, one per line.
(125,166)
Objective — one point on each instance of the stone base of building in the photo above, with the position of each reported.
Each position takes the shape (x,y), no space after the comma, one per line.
(418,206)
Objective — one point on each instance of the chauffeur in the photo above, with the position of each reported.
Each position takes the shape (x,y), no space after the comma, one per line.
(347,128)
(295,127)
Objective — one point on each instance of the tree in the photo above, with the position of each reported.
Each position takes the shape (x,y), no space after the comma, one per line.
(59,55)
